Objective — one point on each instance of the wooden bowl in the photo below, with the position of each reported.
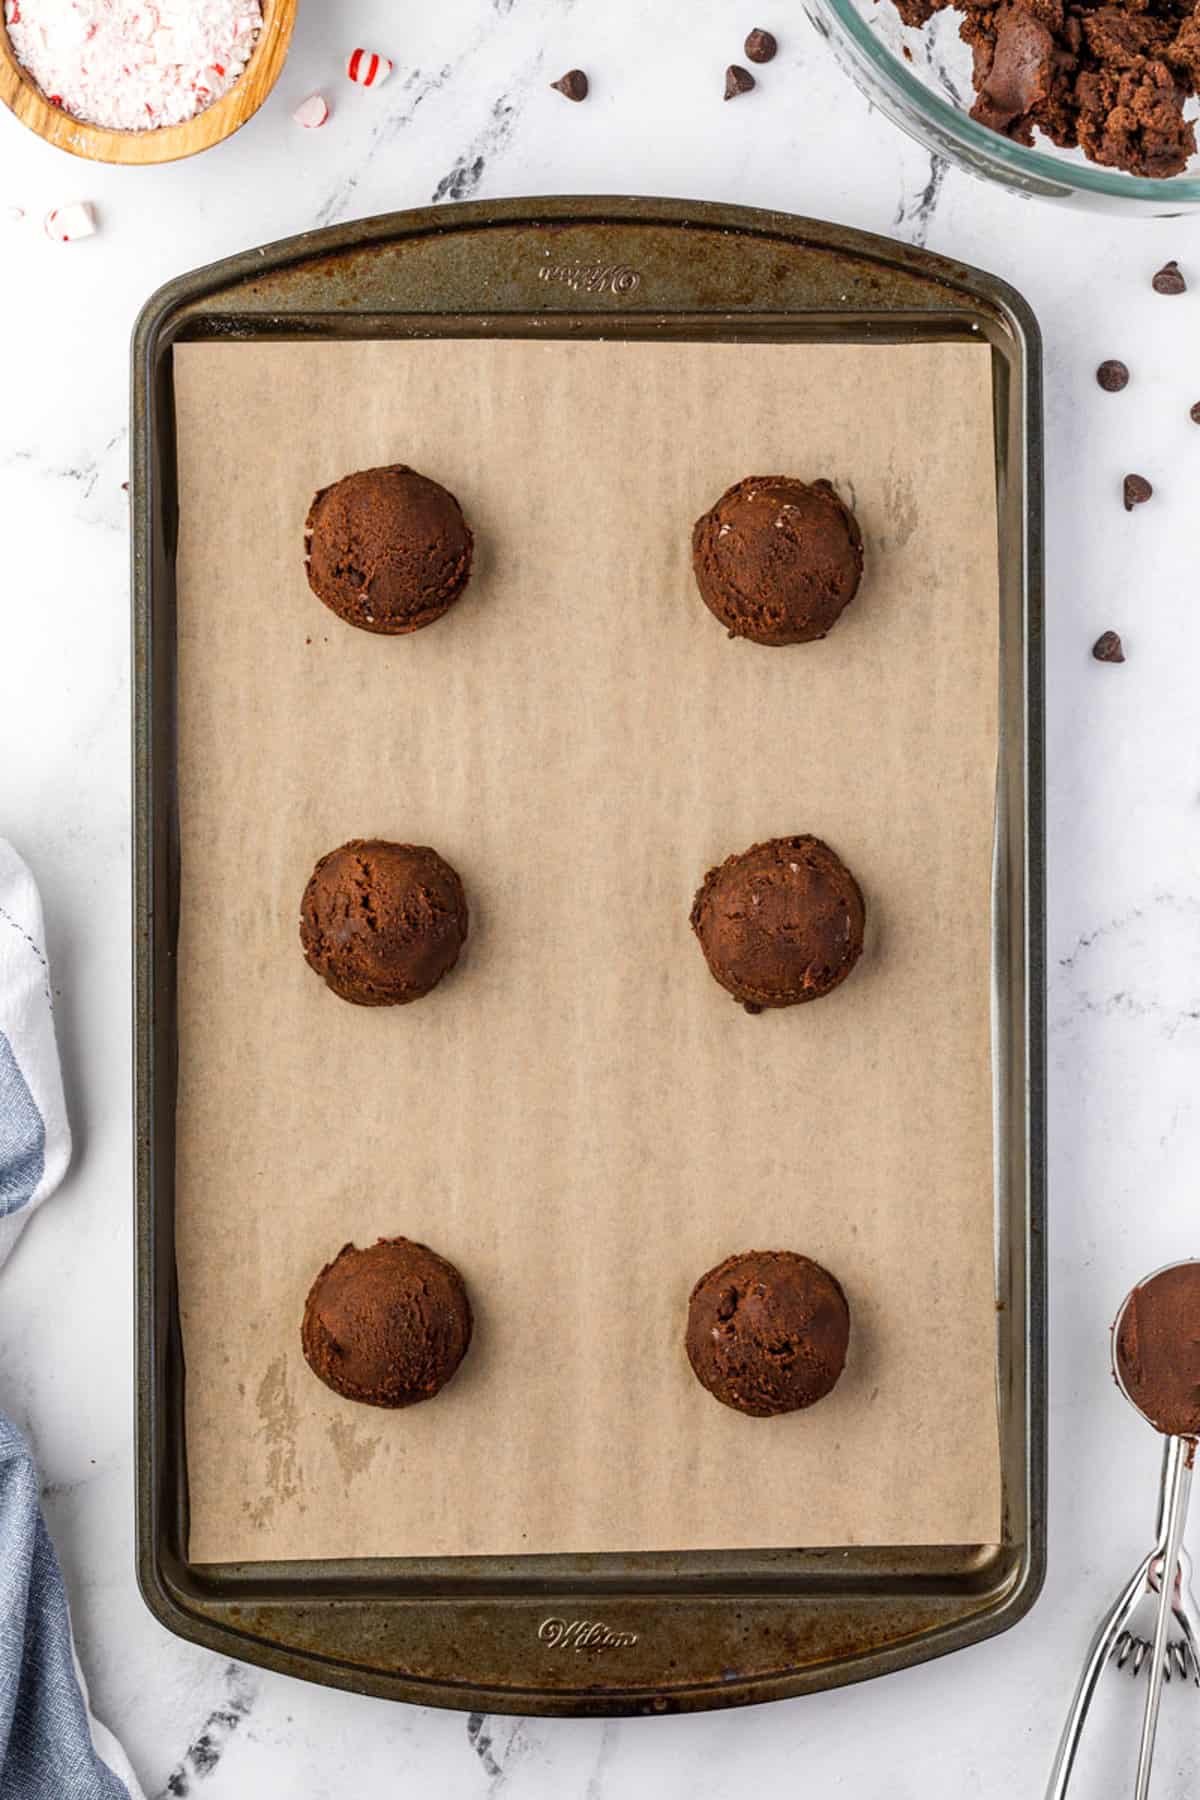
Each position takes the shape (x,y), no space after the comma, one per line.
(166,143)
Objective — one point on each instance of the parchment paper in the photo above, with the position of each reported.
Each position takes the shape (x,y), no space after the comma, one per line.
(580,1117)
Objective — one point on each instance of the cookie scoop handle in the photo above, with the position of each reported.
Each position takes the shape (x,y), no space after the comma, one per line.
(1173,1508)
(1175,1470)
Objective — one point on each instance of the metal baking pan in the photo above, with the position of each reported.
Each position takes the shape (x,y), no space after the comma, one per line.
(611,1634)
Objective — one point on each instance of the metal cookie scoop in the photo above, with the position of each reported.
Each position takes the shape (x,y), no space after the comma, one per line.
(1136,1641)
(1153,1623)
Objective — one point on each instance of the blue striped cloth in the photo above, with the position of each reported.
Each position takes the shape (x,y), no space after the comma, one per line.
(46,1746)
(50,1746)
(35,1139)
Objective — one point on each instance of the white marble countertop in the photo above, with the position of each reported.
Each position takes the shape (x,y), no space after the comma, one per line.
(468,114)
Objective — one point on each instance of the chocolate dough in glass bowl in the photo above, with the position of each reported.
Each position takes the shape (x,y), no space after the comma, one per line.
(1089,103)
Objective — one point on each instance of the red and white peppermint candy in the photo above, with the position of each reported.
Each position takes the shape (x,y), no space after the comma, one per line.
(66,223)
(367,68)
(312,113)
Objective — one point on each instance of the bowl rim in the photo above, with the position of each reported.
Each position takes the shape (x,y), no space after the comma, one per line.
(22,96)
(992,146)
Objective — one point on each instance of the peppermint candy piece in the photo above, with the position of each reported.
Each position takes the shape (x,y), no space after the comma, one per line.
(312,113)
(66,223)
(366,68)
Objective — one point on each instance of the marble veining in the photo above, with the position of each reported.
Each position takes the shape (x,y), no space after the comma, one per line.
(469,113)
(416,86)
(203,1755)
(463,180)
(915,213)
(499,1743)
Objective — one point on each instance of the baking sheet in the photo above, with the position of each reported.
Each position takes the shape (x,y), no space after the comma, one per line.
(579,1116)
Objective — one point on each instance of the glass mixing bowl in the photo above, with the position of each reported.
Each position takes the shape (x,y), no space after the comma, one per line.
(930,98)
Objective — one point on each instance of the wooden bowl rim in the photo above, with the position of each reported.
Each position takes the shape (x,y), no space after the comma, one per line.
(164,143)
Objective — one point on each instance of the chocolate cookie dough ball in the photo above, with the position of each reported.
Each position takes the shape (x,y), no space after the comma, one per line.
(781,923)
(387,549)
(767,1332)
(387,1326)
(1158,1349)
(382,923)
(777,560)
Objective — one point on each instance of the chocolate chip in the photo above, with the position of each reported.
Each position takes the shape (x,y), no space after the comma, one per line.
(1107,648)
(1112,376)
(1194,414)
(574,84)
(1169,280)
(737,81)
(1136,491)
(760,46)
(751,1006)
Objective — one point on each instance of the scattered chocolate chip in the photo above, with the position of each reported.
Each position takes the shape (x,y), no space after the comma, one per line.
(1169,280)
(124,487)
(737,81)
(1107,648)
(1194,413)
(1112,376)
(751,1006)
(1136,491)
(574,84)
(760,46)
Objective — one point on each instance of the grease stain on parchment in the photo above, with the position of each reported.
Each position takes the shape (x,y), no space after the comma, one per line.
(355,1451)
(278,1418)
(900,508)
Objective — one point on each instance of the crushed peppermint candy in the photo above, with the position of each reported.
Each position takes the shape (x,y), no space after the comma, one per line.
(66,223)
(133,65)
(312,113)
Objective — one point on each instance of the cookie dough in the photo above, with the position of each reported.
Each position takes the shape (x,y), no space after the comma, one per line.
(387,549)
(1111,80)
(386,1326)
(781,923)
(1158,1349)
(778,560)
(382,923)
(767,1332)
